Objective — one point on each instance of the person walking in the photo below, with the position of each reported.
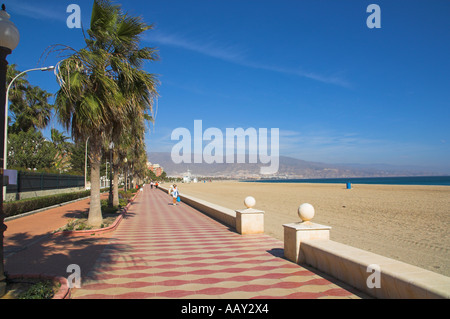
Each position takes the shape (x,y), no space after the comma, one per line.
(175,194)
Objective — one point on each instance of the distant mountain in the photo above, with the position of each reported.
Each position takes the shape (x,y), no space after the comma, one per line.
(288,168)
(296,168)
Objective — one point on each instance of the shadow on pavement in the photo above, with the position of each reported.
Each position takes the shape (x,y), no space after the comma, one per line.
(48,254)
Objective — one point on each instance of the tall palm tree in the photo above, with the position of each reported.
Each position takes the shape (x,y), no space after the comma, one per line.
(139,93)
(131,142)
(91,100)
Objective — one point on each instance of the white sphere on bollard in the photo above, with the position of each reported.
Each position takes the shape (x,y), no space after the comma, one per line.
(249,202)
(306,212)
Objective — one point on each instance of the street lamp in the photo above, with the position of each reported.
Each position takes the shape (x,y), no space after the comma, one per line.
(111,146)
(85,164)
(126,174)
(5,139)
(9,39)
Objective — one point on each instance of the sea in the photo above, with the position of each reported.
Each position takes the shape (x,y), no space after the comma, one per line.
(405,180)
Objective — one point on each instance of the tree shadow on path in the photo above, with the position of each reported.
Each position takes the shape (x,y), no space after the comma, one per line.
(50,254)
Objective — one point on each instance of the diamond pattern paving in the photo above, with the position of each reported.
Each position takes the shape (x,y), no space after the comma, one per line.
(165,251)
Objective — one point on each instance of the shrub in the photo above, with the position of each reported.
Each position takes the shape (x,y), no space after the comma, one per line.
(40,290)
(28,205)
(125,195)
(106,209)
(134,190)
(123,202)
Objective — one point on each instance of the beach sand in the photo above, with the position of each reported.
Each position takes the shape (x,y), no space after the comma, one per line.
(406,223)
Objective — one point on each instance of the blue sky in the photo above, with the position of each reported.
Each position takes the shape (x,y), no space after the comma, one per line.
(338,91)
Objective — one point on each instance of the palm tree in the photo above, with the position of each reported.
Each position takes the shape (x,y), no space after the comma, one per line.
(17,91)
(130,143)
(62,159)
(91,100)
(59,140)
(36,112)
(29,107)
(129,132)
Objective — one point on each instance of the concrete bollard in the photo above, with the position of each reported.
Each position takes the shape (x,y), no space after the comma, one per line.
(295,233)
(249,221)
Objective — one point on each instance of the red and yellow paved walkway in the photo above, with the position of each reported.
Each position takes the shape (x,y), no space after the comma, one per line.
(163,251)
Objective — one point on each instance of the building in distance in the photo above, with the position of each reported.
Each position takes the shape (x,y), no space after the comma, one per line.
(155,168)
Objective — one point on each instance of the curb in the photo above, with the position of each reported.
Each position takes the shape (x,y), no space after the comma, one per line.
(64,291)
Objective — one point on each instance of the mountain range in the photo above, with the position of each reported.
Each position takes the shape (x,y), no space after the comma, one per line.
(289,168)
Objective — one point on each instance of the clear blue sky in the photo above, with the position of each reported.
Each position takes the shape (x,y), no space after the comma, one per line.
(338,91)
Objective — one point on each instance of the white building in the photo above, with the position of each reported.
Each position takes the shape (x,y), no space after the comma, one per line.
(187,177)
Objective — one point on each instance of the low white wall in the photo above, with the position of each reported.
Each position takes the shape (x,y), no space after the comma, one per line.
(348,264)
(397,280)
(223,214)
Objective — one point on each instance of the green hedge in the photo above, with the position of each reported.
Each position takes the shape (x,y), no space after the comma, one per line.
(134,190)
(28,205)
(126,195)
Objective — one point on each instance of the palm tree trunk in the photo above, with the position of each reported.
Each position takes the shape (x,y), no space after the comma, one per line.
(116,186)
(95,212)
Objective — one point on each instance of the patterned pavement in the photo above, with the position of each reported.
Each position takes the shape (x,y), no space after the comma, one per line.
(164,251)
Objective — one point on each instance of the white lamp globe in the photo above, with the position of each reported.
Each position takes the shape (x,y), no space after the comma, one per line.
(9,34)
(306,212)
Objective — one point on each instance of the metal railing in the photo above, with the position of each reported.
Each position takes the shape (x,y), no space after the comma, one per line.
(31,182)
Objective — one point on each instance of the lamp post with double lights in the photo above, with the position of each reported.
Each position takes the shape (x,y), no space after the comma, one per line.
(9,39)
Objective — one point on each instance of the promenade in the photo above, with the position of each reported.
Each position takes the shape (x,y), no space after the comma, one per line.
(164,251)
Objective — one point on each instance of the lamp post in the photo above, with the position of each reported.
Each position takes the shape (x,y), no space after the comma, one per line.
(106,174)
(5,139)
(85,164)
(48,68)
(126,174)
(9,39)
(111,146)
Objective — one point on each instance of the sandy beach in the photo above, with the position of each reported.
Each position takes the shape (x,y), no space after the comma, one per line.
(407,223)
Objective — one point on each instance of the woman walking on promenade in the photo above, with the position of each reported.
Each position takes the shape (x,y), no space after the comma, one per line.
(175,194)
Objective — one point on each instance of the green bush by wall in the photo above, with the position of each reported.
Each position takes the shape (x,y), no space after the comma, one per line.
(27,205)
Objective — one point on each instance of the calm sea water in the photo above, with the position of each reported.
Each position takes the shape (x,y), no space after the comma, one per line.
(410,180)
